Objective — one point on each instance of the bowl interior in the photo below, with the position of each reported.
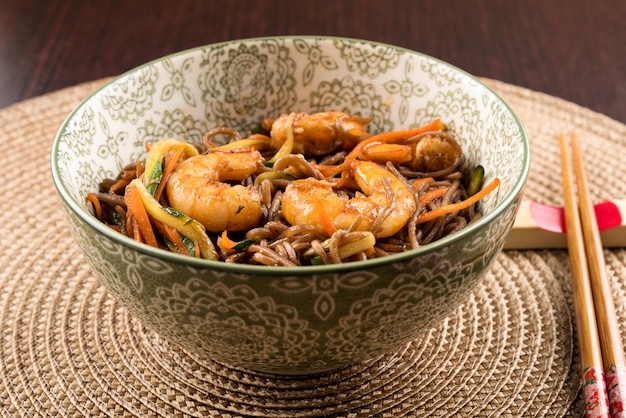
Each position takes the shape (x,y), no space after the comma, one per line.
(239,83)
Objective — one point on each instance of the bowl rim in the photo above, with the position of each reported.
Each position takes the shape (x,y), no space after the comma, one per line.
(261,270)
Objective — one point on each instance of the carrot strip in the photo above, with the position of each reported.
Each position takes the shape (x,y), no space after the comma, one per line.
(129,223)
(419,183)
(431,195)
(226,243)
(172,235)
(91,197)
(137,211)
(120,184)
(115,228)
(139,167)
(136,231)
(170,162)
(455,207)
(395,153)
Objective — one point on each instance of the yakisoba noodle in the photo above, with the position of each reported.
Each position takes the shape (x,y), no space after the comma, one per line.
(312,189)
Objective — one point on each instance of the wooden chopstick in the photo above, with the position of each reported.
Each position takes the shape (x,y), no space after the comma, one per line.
(606,317)
(594,384)
(598,330)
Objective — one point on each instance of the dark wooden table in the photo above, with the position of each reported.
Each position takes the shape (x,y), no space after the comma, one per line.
(574,49)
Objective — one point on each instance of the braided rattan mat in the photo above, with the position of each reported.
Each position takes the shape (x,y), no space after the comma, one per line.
(67,348)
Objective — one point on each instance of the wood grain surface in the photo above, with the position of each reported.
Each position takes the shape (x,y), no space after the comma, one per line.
(569,49)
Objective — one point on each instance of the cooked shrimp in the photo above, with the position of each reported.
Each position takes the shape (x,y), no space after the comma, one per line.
(197,188)
(318,133)
(314,202)
(435,153)
(428,153)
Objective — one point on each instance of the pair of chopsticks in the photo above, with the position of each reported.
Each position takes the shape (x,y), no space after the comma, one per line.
(600,345)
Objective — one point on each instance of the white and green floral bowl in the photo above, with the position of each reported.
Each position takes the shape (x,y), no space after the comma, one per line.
(283,319)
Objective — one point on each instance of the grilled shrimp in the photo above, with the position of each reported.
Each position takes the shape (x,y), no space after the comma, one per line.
(314,202)
(318,133)
(197,187)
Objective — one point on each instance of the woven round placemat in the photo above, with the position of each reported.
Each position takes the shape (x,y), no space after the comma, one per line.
(68,349)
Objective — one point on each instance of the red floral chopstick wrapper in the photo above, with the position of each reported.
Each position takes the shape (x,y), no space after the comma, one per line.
(616,388)
(594,388)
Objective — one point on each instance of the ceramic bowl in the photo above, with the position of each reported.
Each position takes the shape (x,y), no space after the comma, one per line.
(283,319)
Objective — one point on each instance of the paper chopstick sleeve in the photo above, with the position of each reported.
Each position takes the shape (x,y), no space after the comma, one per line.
(541,226)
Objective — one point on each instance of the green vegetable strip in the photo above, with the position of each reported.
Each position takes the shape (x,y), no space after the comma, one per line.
(476,180)
(248,142)
(354,247)
(242,245)
(185,225)
(287,146)
(156,158)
